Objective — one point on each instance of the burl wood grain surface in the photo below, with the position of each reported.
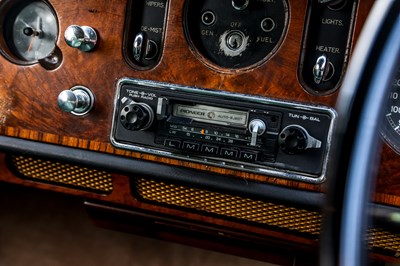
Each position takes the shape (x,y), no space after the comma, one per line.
(28,94)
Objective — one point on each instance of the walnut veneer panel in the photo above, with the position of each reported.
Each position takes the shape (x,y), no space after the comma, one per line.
(28,94)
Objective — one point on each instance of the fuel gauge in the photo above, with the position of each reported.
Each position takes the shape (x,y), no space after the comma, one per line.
(29,31)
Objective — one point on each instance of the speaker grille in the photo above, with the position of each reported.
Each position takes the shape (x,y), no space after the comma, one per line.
(384,240)
(232,206)
(62,174)
(289,218)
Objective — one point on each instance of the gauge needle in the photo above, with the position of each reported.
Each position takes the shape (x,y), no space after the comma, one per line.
(31,44)
(39,27)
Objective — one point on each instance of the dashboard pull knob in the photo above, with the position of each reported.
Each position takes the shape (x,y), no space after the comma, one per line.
(321,69)
(257,127)
(240,4)
(78,100)
(83,38)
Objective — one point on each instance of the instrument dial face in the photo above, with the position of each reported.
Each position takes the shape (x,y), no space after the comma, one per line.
(30,32)
(391,123)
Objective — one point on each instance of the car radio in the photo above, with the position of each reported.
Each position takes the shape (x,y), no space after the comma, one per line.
(255,134)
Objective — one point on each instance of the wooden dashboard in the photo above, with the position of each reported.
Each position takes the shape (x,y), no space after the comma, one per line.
(29,115)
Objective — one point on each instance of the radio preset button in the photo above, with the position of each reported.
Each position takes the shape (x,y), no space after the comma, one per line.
(229,153)
(208,149)
(190,146)
(172,143)
(248,156)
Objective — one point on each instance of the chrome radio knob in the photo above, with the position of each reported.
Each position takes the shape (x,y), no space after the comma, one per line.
(82,37)
(137,116)
(78,100)
(295,139)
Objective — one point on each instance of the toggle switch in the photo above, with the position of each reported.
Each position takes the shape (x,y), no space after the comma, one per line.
(143,48)
(323,69)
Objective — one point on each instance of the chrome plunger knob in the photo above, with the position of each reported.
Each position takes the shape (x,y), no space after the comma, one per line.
(78,100)
(83,38)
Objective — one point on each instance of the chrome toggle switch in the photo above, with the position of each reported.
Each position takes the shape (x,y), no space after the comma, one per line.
(78,100)
(322,69)
(143,48)
(257,127)
(83,38)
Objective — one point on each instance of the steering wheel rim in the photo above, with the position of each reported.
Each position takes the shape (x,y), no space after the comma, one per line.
(360,107)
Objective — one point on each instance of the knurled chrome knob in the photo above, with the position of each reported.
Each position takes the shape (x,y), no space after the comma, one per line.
(83,38)
(137,116)
(78,100)
(295,139)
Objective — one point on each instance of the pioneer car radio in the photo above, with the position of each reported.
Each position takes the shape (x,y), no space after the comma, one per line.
(255,134)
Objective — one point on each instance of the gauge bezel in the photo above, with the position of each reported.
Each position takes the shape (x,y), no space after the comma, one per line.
(8,10)
(388,131)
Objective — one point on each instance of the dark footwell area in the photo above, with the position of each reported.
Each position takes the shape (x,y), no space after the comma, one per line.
(39,228)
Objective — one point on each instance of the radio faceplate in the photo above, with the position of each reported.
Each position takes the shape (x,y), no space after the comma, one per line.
(254,134)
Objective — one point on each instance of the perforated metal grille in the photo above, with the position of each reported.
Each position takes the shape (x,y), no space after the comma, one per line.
(252,210)
(385,240)
(63,174)
(232,206)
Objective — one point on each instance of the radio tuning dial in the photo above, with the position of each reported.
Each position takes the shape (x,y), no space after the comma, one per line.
(257,127)
(137,116)
(295,139)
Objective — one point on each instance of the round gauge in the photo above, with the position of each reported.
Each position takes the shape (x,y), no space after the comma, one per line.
(391,124)
(231,35)
(29,30)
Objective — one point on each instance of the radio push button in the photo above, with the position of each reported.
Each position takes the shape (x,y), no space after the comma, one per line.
(229,153)
(248,156)
(190,146)
(172,143)
(208,149)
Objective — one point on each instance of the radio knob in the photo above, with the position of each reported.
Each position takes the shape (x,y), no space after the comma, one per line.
(137,116)
(257,127)
(295,139)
